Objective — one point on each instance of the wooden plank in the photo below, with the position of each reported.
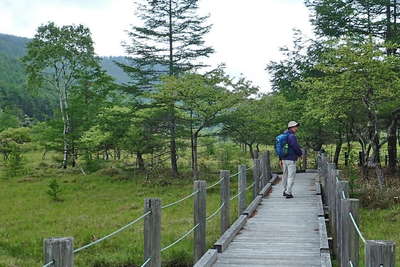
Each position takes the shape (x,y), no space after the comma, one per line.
(152,232)
(225,199)
(326,259)
(274,178)
(242,189)
(208,259)
(380,253)
(223,242)
(265,190)
(318,188)
(200,219)
(283,233)
(320,209)
(323,236)
(252,207)
(60,250)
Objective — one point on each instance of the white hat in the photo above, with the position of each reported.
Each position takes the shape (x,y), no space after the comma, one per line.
(293,124)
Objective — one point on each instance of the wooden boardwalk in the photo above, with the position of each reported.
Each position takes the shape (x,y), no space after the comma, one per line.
(283,232)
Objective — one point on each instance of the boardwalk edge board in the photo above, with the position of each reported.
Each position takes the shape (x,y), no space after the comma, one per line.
(326,259)
(252,207)
(208,259)
(320,212)
(265,190)
(229,234)
(318,188)
(324,245)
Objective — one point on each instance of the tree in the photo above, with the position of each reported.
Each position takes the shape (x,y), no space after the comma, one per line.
(363,18)
(358,81)
(170,41)
(60,57)
(203,101)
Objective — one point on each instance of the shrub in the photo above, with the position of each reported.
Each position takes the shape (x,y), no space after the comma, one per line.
(371,196)
(54,190)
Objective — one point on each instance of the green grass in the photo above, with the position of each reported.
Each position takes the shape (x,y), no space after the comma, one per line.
(380,224)
(93,206)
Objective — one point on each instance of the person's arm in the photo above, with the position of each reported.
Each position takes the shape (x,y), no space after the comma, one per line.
(292,141)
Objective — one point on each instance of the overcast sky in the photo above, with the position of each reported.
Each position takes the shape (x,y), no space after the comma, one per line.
(246,34)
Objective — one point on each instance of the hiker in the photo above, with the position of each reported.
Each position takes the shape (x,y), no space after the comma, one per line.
(289,158)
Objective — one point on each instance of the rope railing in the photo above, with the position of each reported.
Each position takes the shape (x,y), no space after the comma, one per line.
(181,238)
(113,233)
(343,211)
(215,212)
(219,181)
(49,263)
(145,263)
(179,201)
(153,209)
(233,175)
(356,227)
(235,196)
(250,186)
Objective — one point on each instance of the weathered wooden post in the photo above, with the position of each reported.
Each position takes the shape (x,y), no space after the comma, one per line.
(59,251)
(342,189)
(200,219)
(349,237)
(305,159)
(380,253)
(269,169)
(152,232)
(256,177)
(242,189)
(263,164)
(225,200)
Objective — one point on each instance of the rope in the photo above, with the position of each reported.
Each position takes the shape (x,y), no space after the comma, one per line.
(113,233)
(250,186)
(49,263)
(219,181)
(235,196)
(179,201)
(249,168)
(215,212)
(147,261)
(344,196)
(233,175)
(180,239)
(356,226)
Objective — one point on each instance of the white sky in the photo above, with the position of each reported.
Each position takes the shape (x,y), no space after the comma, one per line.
(246,34)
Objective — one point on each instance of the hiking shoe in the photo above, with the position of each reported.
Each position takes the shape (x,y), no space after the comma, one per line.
(289,196)
(284,194)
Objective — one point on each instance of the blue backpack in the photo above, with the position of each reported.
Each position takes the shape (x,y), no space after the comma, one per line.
(281,145)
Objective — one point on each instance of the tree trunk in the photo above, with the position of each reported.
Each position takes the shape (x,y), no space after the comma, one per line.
(337,152)
(251,151)
(195,164)
(392,141)
(140,161)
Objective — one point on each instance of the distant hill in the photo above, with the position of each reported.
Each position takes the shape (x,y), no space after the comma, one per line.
(14,95)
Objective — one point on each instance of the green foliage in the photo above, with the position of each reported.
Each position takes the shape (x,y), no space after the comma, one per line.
(54,190)
(8,120)
(12,145)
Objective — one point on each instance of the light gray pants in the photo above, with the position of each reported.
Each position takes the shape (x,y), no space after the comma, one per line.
(289,173)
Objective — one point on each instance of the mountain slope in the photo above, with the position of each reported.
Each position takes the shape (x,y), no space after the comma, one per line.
(14,95)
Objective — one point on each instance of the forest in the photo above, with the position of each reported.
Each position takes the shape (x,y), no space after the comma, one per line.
(73,124)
